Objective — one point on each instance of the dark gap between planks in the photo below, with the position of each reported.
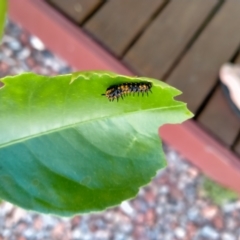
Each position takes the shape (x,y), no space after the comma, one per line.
(194,38)
(146,25)
(89,15)
(213,90)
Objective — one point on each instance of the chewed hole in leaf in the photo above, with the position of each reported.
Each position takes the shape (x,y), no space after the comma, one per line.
(1,84)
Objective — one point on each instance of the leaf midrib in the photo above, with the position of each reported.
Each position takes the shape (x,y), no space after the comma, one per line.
(84,122)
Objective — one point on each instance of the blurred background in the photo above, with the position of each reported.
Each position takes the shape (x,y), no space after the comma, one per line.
(182,42)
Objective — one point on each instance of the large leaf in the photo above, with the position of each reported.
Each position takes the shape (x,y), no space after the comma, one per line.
(3,11)
(65,149)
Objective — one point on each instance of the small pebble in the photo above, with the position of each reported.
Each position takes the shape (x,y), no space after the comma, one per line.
(229,207)
(209,232)
(227,236)
(24,53)
(15,45)
(210,212)
(77,234)
(37,43)
(127,208)
(180,233)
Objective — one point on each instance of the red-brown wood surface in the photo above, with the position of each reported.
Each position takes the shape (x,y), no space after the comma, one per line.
(237,146)
(197,72)
(219,119)
(162,43)
(117,23)
(215,161)
(77,10)
(61,36)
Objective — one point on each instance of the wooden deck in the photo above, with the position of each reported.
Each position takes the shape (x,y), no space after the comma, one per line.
(181,42)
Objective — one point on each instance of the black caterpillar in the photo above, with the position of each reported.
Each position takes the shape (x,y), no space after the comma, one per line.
(117,91)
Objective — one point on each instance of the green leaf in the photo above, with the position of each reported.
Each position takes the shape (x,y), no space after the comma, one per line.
(3,13)
(65,149)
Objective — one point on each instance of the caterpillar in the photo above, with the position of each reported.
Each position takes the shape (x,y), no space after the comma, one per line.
(122,90)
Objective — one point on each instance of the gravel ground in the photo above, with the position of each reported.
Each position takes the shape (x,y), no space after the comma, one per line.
(169,208)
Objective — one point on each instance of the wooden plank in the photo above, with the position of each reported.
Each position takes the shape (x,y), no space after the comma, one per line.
(197,72)
(77,10)
(237,147)
(220,119)
(117,23)
(238,60)
(155,52)
(63,37)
